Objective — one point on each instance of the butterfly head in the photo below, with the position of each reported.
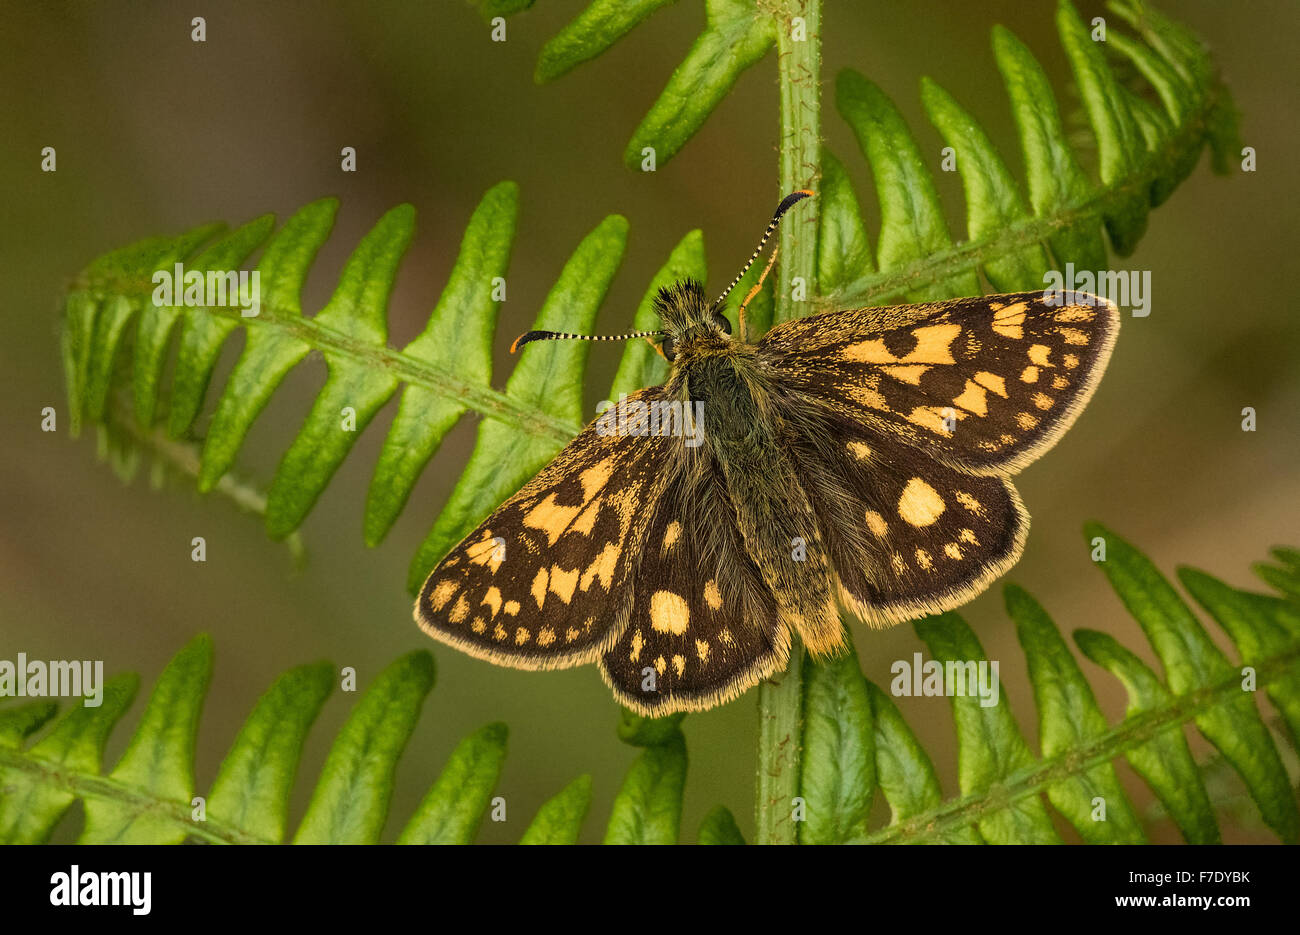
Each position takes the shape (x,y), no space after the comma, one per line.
(692,324)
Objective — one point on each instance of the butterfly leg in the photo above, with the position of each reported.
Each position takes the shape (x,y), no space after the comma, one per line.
(740,312)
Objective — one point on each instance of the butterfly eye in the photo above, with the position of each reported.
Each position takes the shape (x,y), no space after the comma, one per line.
(723,322)
(669,348)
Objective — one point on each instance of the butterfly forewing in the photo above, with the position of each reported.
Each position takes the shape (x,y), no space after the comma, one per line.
(984,384)
(541,583)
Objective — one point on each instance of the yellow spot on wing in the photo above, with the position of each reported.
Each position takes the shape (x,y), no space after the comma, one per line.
(442,594)
(587,520)
(970,503)
(669,613)
(907,373)
(512,608)
(712,596)
(1029,375)
(859,450)
(1009,321)
(485,552)
(1025,421)
(702,650)
(551,518)
(1075,313)
(931,417)
(1071,361)
(876,523)
(968,536)
(679,663)
(637,642)
(479,625)
(1073,335)
(920,504)
(1039,353)
(672,533)
(545,636)
(563,582)
(595,478)
(539,587)
(923,559)
(1043,401)
(992,382)
(933,346)
(602,567)
(493,599)
(460,610)
(1059,382)
(973,399)
(521,636)
(953,551)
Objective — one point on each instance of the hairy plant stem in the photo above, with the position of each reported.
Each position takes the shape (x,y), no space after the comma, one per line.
(780,701)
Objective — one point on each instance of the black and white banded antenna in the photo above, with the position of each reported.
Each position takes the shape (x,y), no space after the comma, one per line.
(529,336)
(788,202)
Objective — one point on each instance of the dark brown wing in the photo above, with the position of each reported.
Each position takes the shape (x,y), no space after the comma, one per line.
(703,626)
(985,384)
(541,583)
(907,536)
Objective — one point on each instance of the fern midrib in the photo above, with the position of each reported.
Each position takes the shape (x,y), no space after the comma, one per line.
(1130,733)
(90,786)
(1030,231)
(389,362)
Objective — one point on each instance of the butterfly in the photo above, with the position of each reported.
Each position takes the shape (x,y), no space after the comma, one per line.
(857,459)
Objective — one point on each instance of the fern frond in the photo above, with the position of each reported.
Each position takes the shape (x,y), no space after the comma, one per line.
(117,338)
(1143,152)
(1007,791)
(149,797)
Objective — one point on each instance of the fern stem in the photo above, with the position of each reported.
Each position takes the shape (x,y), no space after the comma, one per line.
(780,701)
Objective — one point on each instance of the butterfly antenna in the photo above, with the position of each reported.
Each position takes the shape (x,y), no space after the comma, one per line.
(529,336)
(788,202)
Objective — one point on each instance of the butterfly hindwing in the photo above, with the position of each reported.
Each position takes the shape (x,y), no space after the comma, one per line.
(984,384)
(702,627)
(907,535)
(541,583)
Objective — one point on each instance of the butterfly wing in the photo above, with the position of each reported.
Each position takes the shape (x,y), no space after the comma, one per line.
(984,385)
(703,626)
(907,421)
(540,584)
(906,535)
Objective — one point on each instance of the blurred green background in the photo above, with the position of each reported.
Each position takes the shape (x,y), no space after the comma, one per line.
(156,134)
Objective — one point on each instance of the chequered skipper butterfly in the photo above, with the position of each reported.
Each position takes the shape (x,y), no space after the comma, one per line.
(855,459)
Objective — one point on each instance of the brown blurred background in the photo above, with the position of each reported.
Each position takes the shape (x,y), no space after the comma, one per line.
(156,134)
